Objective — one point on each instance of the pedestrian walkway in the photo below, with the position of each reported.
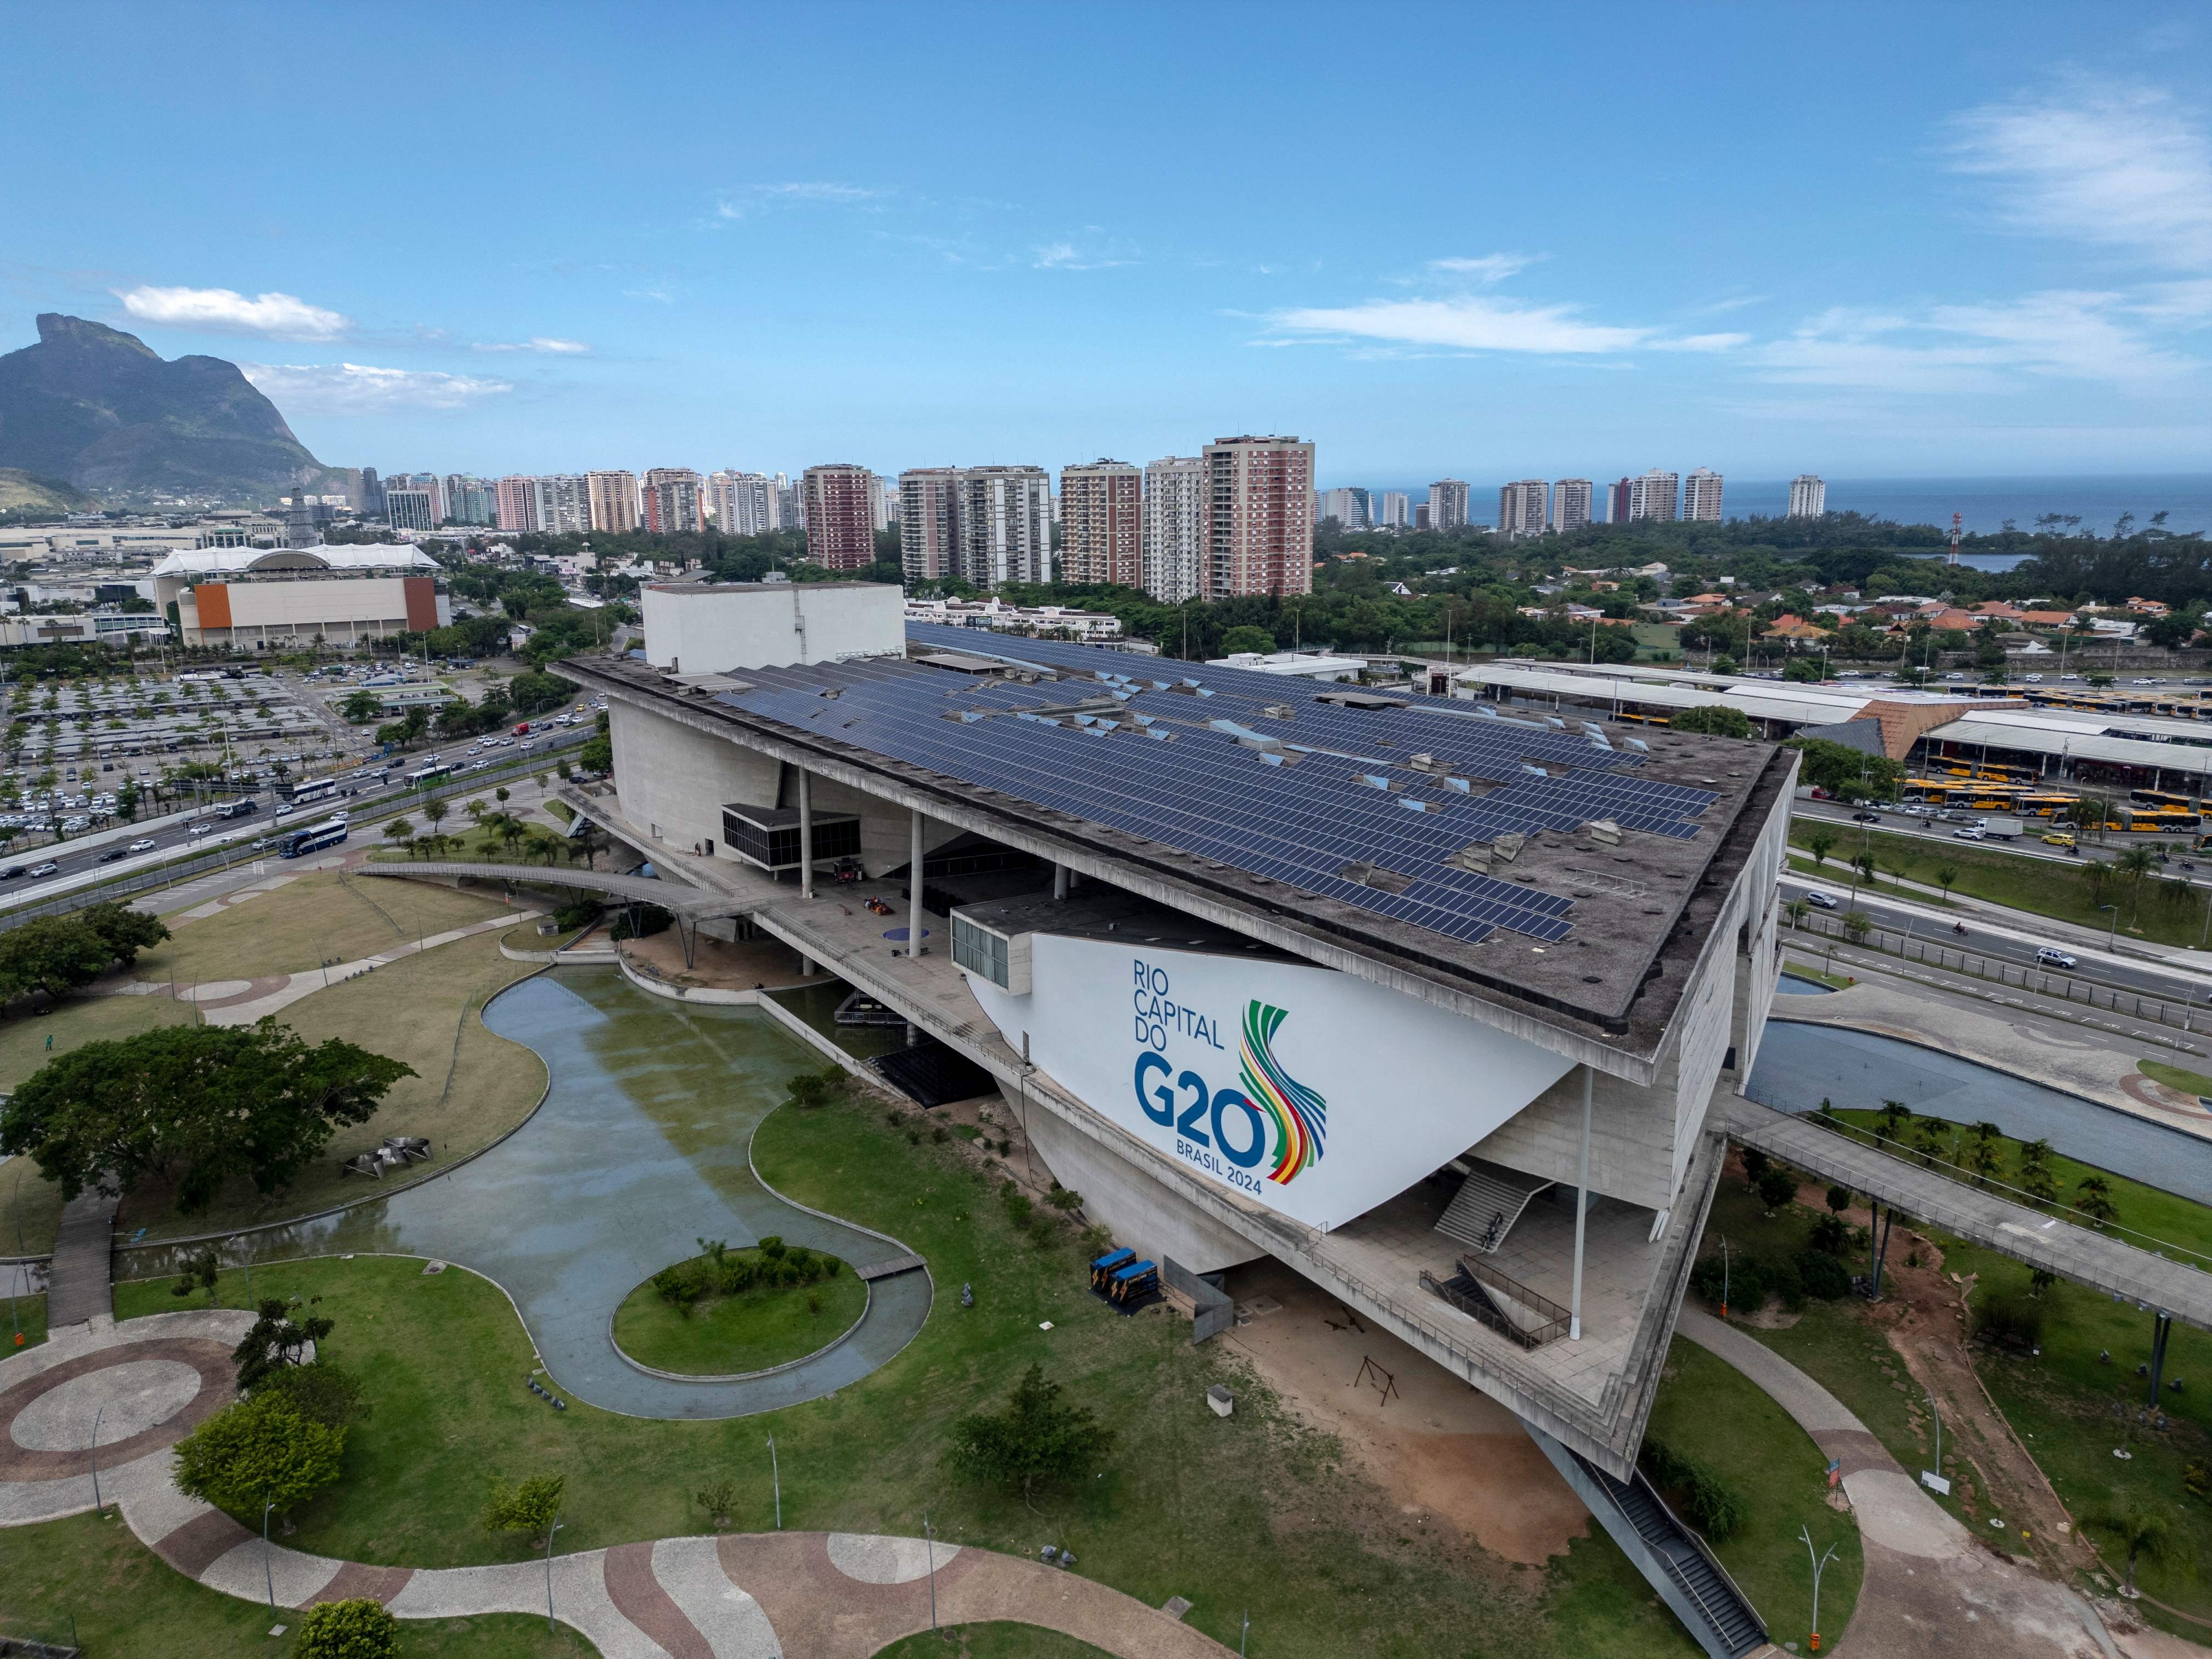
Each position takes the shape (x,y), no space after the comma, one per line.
(775,1596)
(78,1286)
(1931,1586)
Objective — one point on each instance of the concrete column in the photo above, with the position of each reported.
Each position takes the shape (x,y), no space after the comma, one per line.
(806,834)
(1059,882)
(1582,1213)
(806,966)
(914,888)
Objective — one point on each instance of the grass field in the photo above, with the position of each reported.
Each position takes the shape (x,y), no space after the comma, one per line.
(1328,1565)
(2190,1083)
(996,1640)
(725,1335)
(1783,1476)
(296,927)
(2042,887)
(2148,1218)
(126,1603)
(471,1086)
(26,1316)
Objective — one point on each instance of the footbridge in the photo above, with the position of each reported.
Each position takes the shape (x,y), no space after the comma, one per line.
(2076,1253)
(687,905)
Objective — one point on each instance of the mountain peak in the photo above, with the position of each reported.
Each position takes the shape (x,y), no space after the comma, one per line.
(55,329)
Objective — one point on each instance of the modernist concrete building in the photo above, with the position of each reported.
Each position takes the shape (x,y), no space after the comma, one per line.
(1428,1002)
(250,599)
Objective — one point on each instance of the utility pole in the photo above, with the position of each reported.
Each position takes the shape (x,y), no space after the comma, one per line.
(776,1475)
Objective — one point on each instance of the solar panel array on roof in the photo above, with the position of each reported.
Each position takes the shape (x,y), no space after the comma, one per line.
(1245,770)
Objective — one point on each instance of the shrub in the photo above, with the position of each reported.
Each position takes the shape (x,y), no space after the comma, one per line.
(1781,1278)
(582,913)
(1755,1164)
(1776,1187)
(1064,1198)
(1823,1278)
(939,1136)
(264,1448)
(772,1247)
(1833,1234)
(913,1137)
(1713,1506)
(1019,1207)
(2011,1317)
(719,1499)
(530,1507)
(1042,1231)
(358,1629)
(813,1303)
(643,923)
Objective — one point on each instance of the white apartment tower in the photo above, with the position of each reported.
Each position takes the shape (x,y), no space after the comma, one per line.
(929,522)
(1570,503)
(1653,494)
(1175,529)
(1347,506)
(1393,509)
(1809,496)
(1448,504)
(741,503)
(1701,496)
(1523,507)
(1005,525)
(561,503)
(1102,523)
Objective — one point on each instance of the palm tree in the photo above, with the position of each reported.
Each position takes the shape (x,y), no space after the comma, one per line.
(1895,1112)
(2093,1198)
(2133,866)
(2142,1533)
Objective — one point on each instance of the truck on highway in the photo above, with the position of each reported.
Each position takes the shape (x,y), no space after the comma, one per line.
(2005,828)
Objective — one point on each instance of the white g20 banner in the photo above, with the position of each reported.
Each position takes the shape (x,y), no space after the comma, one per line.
(1315,1093)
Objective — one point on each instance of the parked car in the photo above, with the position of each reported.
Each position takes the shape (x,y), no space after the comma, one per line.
(1823,901)
(2051,956)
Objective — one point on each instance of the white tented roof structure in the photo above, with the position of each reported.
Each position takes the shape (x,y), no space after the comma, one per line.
(199,563)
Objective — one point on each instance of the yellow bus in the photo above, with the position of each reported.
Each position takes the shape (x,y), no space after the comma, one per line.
(2162,798)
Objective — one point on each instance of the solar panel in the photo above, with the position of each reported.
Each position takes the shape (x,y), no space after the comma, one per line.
(1239,771)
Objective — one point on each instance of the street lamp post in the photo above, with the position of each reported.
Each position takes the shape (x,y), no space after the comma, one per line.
(929,1544)
(549,1531)
(268,1572)
(776,1475)
(1819,1563)
(1724,1275)
(99,1508)
(2112,934)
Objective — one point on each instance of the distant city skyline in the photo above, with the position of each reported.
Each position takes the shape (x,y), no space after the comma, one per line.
(1978,241)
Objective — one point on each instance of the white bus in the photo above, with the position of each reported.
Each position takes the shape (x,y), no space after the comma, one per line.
(427,774)
(313,789)
(329,833)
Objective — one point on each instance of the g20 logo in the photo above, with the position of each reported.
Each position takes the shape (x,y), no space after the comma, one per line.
(1222,1119)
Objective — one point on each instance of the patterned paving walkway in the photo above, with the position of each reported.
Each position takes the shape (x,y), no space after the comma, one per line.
(772,1595)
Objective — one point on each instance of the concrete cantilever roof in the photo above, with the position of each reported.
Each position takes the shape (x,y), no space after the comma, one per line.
(243,561)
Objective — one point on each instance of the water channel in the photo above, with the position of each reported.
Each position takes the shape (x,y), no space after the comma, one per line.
(639,1151)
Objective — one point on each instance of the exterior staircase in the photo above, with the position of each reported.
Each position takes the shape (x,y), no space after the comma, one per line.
(1487,1204)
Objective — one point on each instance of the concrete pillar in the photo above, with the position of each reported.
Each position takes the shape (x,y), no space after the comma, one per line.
(806,834)
(1059,882)
(914,888)
(1582,1213)
(806,966)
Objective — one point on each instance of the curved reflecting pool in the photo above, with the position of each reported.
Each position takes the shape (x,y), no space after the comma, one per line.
(639,1152)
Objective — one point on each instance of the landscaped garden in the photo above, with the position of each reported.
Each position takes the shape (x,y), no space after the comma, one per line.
(725,1312)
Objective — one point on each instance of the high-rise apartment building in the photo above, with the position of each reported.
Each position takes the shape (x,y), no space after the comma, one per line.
(561,502)
(741,503)
(1617,498)
(430,483)
(1448,504)
(790,504)
(929,522)
(1654,495)
(371,503)
(468,499)
(1420,515)
(404,508)
(1701,496)
(840,526)
(879,502)
(1809,496)
(1521,507)
(1259,522)
(613,500)
(1174,528)
(668,502)
(1102,520)
(1393,509)
(513,502)
(1005,525)
(1348,507)
(1570,503)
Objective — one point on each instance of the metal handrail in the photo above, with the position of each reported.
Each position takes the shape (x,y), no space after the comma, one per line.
(1704,1548)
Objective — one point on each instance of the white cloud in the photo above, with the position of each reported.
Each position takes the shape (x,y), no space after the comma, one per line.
(1490,268)
(1066,256)
(1468,323)
(222,310)
(2105,163)
(361,389)
(742,204)
(538,343)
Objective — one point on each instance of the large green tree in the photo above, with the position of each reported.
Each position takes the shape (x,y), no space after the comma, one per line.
(1713,720)
(1037,1438)
(197,1106)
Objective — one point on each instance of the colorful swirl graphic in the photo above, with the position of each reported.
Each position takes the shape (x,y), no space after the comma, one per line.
(1300,1115)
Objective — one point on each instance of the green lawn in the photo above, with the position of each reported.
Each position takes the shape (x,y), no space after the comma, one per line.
(1804,970)
(2167,913)
(997,1640)
(126,1603)
(2147,1216)
(27,1316)
(1707,1413)
(724,1335)
(471,1086)
(2190,1083)
(296,927)
(1330,1560)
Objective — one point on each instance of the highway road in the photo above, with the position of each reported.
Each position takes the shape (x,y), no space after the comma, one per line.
(79,860)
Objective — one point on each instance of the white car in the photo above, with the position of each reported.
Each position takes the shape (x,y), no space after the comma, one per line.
(197,829)
(1823,901)
(143,844)
(2035,679)
(1970,832)
(2146,681)
(2048,956)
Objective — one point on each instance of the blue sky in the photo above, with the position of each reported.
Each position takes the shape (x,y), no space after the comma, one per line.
(1861,239)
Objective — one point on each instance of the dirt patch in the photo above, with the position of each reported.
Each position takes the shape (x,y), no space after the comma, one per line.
(1445,1456)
